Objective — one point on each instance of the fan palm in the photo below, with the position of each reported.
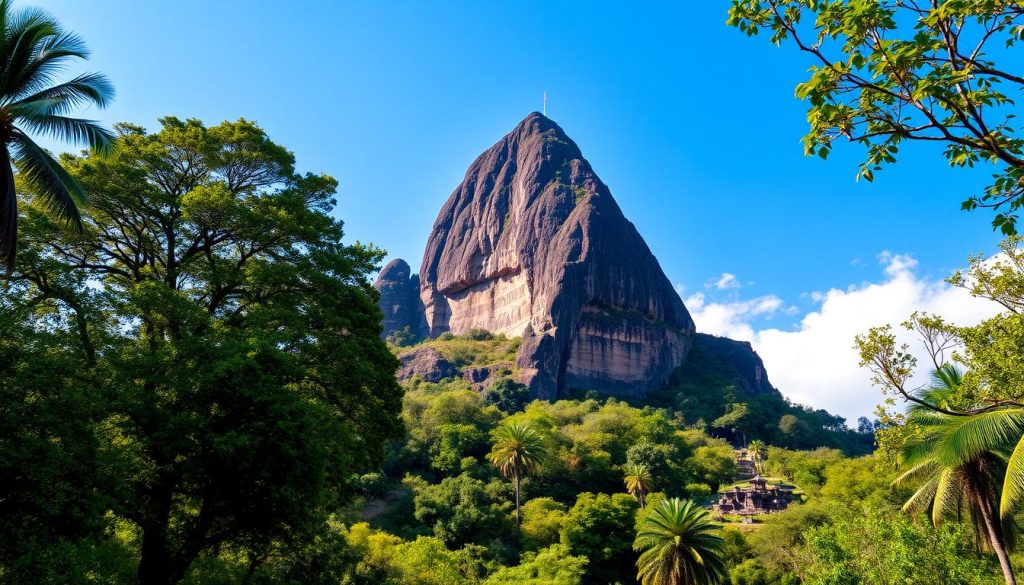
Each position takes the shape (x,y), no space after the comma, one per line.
(33,50)
(518,449)
(757,450)
(638,482)
(680,545)
(958,462)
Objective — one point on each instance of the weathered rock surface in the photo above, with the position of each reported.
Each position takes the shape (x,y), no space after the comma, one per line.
(740,355)
(532,244)
(400,299)
(481,377)
(428,363)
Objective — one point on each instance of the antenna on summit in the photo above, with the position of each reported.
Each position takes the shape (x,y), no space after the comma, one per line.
(545,103)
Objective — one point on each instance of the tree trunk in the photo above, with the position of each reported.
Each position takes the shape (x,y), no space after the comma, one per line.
(995,537)
(8,212)
(154,562)
(159,562)
(157,565)
(515,480)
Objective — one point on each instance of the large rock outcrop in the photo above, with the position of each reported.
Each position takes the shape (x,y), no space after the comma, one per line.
(427,363)
(400,299)
(739,355)
(532,244)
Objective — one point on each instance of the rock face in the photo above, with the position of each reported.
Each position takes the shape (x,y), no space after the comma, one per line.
(400,299)
(481,377)
(752,376)
(532,244)
(428,363)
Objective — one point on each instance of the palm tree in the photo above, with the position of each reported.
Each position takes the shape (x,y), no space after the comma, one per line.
(518,448)
(958,461)
(757,450)
(638,482)
(33,50)
(680,545)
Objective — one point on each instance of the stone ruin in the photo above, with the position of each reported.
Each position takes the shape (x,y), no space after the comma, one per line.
(756,499)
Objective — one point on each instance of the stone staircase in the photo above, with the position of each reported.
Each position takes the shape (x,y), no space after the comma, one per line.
(745,463)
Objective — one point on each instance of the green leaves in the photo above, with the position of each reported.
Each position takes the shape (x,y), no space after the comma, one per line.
(885,72)
(231,335)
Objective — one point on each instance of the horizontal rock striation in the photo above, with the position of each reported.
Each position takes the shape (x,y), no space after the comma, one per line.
(532,244)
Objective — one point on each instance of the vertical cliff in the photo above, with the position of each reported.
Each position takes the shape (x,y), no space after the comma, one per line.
(400,299)
(532,244)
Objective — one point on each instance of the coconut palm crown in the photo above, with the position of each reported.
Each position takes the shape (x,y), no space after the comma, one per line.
(958,463)
(34,48)
(757,449)
(518,449)
(679,545)
(638,481)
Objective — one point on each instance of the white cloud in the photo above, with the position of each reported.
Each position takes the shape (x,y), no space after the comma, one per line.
(815,363)
(725,282)
(732,318)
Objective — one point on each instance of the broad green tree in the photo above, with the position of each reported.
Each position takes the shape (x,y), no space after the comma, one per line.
(736,420)
(34,49)
(518,450)
(638,481)
(887,72)
(543,519)
(679,544)
(462,509)
(549,566)
(599,528)
(231,338)
(847,551)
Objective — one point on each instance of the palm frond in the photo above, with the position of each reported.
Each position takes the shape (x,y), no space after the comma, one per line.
(948,495)
(678,543)
(58,191)
(33,50)
(47,61)
(922,499)
(947,378)
(70,129)
(6,13)
(518,449)
(915,474)
(60,99)
(27,34)
(1013,482)
(964,438)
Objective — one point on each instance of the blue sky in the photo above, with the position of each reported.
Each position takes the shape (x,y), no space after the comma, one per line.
(693,126)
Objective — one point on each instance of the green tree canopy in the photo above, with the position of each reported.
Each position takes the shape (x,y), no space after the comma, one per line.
(600,527)
(230,335)
(885,72)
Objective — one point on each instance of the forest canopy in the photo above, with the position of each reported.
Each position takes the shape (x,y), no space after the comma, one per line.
(198,370)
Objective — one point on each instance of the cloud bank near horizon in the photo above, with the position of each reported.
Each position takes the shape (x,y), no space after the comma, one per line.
(814,363)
